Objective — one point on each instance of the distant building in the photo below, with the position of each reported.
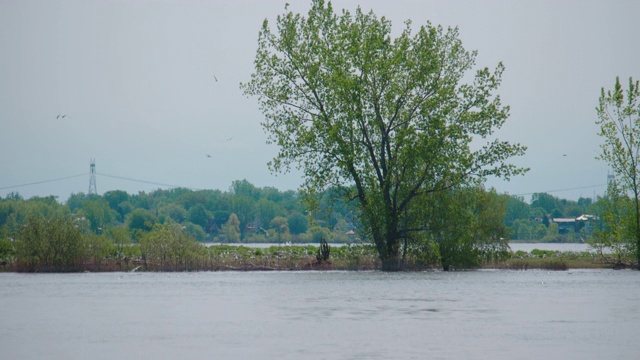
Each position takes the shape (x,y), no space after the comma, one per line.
(575,224)
(564,224)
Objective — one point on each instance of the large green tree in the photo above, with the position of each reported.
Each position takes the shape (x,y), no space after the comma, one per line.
(619,120)
(388,120)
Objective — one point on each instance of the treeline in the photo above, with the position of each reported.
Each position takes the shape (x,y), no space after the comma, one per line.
(244,213)
(535,221)
(249,214)
(160,230)
(462,229)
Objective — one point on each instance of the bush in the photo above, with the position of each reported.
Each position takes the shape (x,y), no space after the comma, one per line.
(544,253)
(7,250)
(168,247)
(54,244)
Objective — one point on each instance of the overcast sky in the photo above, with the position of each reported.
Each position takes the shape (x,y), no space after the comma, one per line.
(137,81)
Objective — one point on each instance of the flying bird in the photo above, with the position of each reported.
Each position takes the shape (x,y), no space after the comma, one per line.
(208,155)
(215,78)
(229,139)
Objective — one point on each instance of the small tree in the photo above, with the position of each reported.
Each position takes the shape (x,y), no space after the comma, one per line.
(324,251)
(121,239)
(619,120)
(553,233)
(468,227)
(141,219)
(298,223)
(51,244)
(617,215)
(198,215)
(281,226)
(168,247)
(231,229)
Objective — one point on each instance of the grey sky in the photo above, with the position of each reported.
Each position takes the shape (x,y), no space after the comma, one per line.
(137,80)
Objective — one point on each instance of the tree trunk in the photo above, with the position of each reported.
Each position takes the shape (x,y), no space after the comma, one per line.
(637,206)
(390,254)
(391,263)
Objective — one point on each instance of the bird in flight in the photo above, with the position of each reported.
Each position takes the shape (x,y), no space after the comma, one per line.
(62,116)
(229,139)
(208,155)
(215,78)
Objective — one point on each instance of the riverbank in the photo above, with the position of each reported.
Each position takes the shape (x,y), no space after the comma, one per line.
(305,257)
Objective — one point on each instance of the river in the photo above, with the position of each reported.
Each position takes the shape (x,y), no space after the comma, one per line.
(488,314)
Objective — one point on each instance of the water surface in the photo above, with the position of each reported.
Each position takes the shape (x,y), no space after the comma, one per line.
(579,314)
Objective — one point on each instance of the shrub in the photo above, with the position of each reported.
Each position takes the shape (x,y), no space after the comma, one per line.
(54,244)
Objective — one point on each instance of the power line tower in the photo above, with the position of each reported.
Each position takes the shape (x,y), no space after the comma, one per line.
(92,179)
(610,178)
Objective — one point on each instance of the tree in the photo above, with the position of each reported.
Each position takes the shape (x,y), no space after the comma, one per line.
(555,214)
(98,212)
(298,223)
(544,201)
(198,215)
(523,230)
(468,226)
(50,244)
(281,226)
(232,228)
(220,217)
(141,219)
(174,211)
(167,246)
(539,231)
(265,211)
(245,188)
(574,211)
(553,234)
(121,239)
(75,201)
(194,230)
(386,121)
(340,231)
(189,199)
(115,198)
(244,209)
(516,209)
(619,120)
(611,241)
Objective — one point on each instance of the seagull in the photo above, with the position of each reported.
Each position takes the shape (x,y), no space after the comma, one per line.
(229,139)
(215,78)
(62,116)
(208,155)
